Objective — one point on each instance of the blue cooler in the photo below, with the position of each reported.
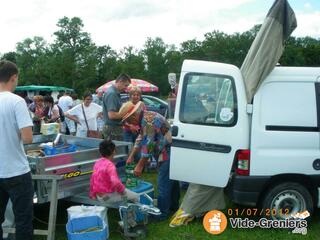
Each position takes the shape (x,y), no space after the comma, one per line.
(141,188)
(48,150)
(87,228)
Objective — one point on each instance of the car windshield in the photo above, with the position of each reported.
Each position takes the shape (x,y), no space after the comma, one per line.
(152,103)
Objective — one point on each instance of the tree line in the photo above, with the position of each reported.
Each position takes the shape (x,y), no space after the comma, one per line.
(73,60)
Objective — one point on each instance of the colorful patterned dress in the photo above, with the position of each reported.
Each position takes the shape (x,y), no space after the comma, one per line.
(151,140)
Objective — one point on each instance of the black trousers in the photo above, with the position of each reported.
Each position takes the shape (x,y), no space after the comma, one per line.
(20,190)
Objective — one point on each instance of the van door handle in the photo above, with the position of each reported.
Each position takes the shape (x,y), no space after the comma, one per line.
(175,131)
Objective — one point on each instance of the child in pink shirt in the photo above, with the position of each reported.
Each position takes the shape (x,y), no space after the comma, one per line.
(105,184)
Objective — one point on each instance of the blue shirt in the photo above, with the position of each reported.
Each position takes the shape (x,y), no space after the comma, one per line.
(111,103)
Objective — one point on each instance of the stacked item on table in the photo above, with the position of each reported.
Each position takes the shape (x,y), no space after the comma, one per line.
(131,179)
(50,128)
(58,147)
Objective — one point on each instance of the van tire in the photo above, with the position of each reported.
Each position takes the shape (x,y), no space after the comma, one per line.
(285,199)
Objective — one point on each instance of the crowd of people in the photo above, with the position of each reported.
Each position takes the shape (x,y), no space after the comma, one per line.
(149,132)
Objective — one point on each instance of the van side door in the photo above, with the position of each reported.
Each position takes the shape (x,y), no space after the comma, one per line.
(210,123)
(285,127)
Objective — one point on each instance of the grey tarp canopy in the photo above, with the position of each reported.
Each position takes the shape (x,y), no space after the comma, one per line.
(268,45)
(42,88)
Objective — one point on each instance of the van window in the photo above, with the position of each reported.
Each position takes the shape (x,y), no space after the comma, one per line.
(208,100)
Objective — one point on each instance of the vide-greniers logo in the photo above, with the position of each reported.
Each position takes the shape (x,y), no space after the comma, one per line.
(215,222)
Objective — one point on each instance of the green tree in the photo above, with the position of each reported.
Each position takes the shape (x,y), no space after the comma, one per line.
(107,64)
(192,49)
(154,53)
(75,54)
(293,53)
(73,60)
(132,62)
(31,58)
(311,51)
(10,56)
(174,60)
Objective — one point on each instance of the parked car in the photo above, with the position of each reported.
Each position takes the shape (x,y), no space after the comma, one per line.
(152,103)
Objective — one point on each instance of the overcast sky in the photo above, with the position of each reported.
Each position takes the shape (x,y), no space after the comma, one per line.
(121,23)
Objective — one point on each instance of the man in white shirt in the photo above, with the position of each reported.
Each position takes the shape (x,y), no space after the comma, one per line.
(66,103)
(15,175)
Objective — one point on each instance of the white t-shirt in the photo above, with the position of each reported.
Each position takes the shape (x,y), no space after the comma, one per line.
(54,112)
(14,115)
(65,102)
(91,115)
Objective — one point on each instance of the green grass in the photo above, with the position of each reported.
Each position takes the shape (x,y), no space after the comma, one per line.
(162,231)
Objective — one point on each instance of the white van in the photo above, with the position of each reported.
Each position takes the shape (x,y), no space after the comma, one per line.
(266,153)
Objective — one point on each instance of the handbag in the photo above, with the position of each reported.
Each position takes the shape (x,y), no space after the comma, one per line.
(94,134)
(90,133)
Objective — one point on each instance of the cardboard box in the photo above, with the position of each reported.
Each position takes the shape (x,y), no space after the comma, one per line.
(50,128)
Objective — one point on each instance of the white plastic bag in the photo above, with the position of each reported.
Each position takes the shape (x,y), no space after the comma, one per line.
(86,211)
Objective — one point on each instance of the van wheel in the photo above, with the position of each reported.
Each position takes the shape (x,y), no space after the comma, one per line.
(285,199)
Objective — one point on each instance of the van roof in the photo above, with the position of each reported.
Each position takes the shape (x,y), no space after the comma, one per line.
(295,73)
(279,73)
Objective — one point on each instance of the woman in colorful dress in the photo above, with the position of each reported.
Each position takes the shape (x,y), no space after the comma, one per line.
(154,140)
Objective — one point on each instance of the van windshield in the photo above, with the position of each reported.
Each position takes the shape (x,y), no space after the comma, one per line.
(208,100)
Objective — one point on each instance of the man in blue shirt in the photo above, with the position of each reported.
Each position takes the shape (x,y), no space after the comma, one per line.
(111,105)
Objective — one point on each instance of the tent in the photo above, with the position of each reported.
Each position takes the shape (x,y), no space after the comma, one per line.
(144,85)
(33,90)
(43,88)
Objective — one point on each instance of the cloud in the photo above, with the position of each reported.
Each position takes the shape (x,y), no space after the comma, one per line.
(307,6)
(308,25)
(129,22)
(138,9)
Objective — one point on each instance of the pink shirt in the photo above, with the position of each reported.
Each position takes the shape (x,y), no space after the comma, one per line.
(104,178)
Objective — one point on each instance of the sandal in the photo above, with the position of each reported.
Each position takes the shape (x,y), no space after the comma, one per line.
(181,218)
(177,213)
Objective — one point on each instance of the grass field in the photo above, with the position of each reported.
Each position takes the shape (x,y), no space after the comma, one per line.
(162,231)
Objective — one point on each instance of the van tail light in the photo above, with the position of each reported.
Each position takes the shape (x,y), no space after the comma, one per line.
(243,162)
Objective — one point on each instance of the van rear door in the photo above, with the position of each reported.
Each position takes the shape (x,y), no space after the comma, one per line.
(210,123)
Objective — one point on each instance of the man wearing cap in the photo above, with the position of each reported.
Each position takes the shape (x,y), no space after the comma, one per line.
(154,140)
(111,104)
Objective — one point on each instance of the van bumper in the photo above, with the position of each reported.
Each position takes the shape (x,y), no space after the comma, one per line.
(246,190)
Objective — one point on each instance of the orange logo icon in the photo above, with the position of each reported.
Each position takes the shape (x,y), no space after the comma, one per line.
(215,222)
